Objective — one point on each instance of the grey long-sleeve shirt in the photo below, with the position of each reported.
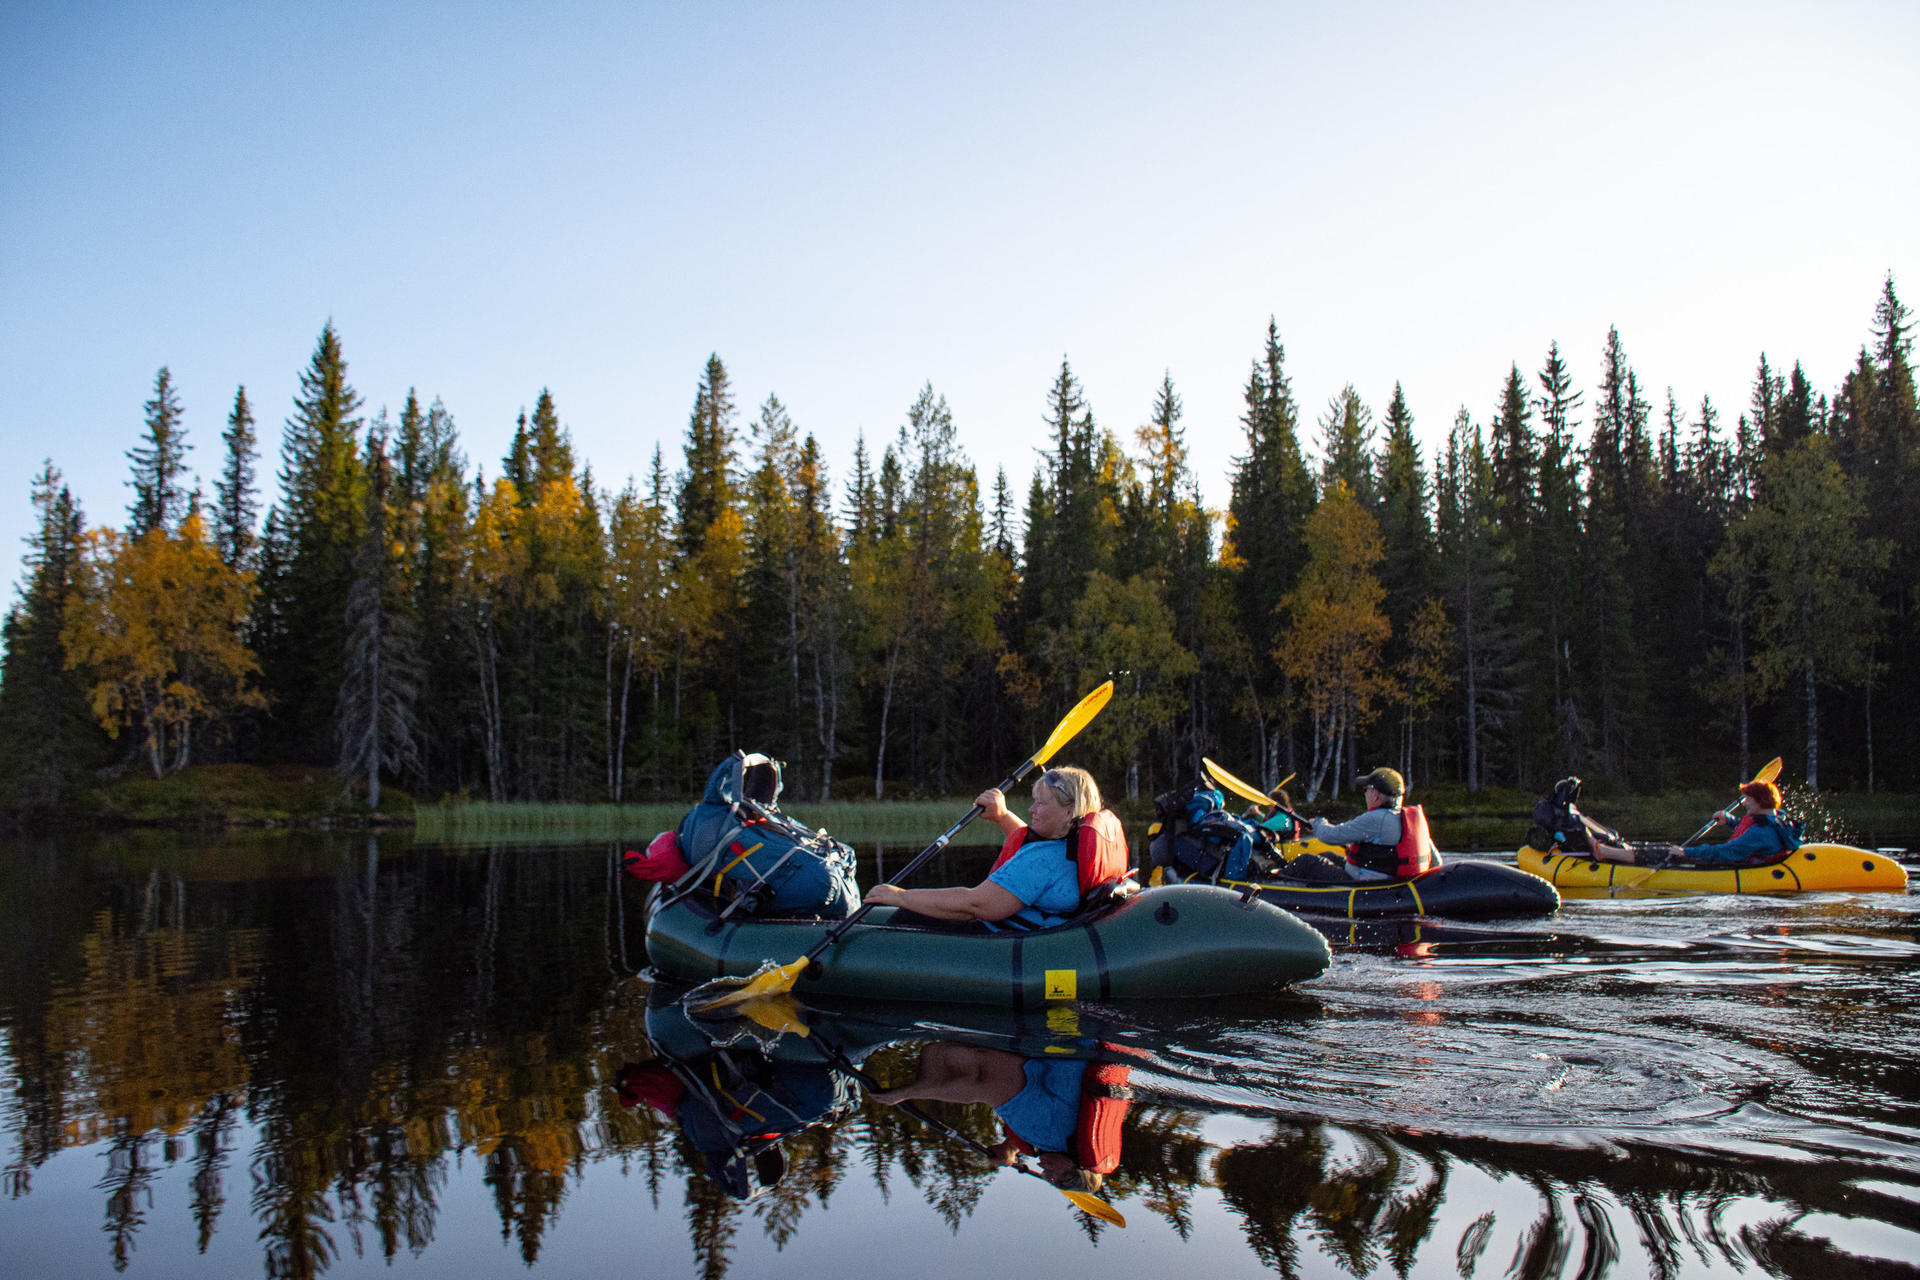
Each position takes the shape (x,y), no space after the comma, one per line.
(1375,826)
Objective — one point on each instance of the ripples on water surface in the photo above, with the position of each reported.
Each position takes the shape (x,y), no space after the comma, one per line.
(302,1058)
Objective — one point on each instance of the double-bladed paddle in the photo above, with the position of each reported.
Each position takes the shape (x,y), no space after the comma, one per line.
(1631,876)
(1768,772)
(1245,790)
(772,979)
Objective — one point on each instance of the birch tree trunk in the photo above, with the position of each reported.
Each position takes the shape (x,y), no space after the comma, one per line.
(1869,723)
(1813,732)
(620,743)
(886,707)
(606,680)
(1740,663)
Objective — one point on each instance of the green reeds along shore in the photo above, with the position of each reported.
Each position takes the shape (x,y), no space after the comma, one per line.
(1484,822)
(887,822)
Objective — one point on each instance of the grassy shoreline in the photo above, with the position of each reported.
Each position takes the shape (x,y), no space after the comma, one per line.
(222,796)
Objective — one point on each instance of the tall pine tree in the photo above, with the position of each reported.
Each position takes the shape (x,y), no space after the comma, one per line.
(48,741)
(307,564)
(235,501)
(1272,496)
(376,719)
(159,463)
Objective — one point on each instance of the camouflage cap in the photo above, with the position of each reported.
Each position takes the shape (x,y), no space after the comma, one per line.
(1387,782)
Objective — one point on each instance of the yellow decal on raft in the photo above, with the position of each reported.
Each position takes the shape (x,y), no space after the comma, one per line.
(1063,984)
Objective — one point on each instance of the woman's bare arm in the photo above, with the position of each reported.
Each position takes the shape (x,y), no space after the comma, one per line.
(984,901)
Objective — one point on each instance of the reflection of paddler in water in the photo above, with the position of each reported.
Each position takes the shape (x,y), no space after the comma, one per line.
(735,1106)
(1065,1112)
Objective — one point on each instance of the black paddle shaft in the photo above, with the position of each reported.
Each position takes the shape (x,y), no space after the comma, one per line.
(838,1058)
(919,860)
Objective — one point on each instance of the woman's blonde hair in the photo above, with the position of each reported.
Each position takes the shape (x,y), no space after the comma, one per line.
(1075,787)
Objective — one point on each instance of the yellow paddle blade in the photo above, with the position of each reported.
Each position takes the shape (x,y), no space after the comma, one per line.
(1077,719)
(1283,782)
(1245,790)
(769,980)
(1086,1202)
(1768,771)
(778,1014)
(1632,877)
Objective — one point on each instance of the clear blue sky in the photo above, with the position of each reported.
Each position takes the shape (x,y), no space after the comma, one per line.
(848,201)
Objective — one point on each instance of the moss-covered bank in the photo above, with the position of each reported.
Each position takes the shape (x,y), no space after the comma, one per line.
(230,795)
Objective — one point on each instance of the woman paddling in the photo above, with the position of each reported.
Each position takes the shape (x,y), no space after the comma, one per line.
(1038,880)
(1761,833)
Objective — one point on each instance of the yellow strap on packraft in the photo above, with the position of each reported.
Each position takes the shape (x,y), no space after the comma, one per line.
(722,873)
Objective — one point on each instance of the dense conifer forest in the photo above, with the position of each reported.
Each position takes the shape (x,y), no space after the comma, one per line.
(1598,579)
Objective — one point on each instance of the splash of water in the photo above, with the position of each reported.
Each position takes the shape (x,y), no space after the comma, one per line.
(1803,804)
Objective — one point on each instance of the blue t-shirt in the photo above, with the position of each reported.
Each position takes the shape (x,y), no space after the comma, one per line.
(1043,877)
(1044,1113)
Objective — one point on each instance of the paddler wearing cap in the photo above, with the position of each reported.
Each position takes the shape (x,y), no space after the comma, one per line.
(1373,838)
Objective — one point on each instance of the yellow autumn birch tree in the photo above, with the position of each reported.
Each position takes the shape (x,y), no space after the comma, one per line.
(156,631)
(1332,647)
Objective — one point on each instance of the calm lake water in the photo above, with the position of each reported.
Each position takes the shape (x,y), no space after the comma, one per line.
(298,1056)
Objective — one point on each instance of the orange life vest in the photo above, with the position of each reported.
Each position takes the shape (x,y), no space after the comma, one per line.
(1413,855)
(1105,1097)
(1097,845)
(1416,850)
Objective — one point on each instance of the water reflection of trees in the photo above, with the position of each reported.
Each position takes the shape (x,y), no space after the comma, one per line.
(332,1038)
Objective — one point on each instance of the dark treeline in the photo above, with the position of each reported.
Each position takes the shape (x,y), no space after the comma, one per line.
(1591,579)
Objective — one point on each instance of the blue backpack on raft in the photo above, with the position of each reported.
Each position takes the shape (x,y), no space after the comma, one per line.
(739,845)
(1197,839)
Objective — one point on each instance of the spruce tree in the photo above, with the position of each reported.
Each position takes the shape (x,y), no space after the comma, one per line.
(1892,486)
(1550,581)
(376,716)
(48,741)
(1477,564)
(706,486)
(236,503)
(1081,500)
(1346,447)
(1272,496)
(159,463)
(1514,454)
(1614,667)
(823,588)
(770,652)
(517,467)
(315,536)
(1515,457)
(1406,527)
(862,512)
(437,545)
(1000,523)
(947,594)
(549,451)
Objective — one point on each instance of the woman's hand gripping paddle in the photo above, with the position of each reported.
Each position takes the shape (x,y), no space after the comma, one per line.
(1768,772)
(772,979)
